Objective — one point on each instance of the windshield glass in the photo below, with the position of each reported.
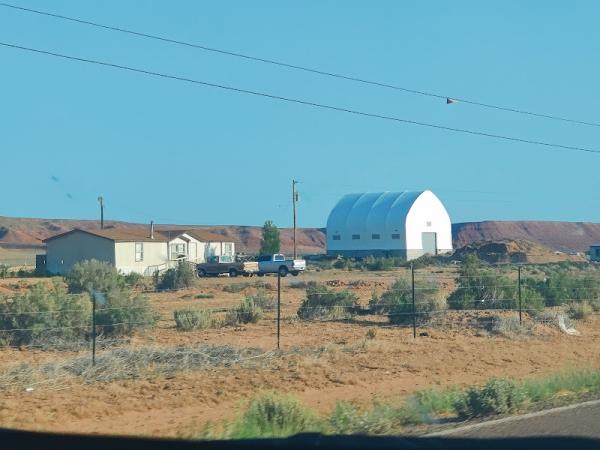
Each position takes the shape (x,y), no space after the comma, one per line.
(442,263)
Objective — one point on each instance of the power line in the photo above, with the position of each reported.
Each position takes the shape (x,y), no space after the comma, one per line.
(448,98)
(302,102)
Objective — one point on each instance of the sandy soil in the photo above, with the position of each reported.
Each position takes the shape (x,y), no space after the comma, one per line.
(391,365)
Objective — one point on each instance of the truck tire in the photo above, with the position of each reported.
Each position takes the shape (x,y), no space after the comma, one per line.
(295,273)
(201,273)
(233,273)
(283,271)
(260,274)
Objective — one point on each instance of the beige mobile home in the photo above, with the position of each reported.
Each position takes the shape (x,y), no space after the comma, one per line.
(133,250)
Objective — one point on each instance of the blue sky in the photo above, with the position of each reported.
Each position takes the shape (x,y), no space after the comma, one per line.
(177,153)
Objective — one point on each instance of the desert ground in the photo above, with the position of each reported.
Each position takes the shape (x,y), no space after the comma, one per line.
(362,360)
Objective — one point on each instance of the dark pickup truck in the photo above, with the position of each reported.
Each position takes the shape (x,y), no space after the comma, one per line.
(216,265)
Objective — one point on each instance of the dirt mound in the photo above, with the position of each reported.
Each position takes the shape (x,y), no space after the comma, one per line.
(507,251)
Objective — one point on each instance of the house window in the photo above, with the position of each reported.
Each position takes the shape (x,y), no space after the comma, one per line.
(336,237)
(375,236)
(177,251)
(227,248)
(396,236)
(356,237)
(139,251)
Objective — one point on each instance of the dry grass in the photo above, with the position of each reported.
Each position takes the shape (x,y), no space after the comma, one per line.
(126,363)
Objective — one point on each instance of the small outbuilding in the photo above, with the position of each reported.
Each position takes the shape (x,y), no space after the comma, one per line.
(404,224)
(595,253)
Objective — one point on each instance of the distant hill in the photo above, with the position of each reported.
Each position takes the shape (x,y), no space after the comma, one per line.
(562,236)
(567,237)
(26,233)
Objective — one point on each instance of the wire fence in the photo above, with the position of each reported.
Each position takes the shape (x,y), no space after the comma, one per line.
(300,313)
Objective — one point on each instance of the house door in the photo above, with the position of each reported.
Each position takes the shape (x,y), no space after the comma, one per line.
(193,251)
(429,241)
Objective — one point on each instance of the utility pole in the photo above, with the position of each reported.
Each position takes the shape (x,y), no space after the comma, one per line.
(101,201)
(294,201)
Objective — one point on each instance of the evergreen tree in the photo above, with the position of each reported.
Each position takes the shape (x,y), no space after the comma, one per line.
(269,243)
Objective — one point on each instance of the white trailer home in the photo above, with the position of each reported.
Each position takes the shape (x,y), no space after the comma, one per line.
(132,250)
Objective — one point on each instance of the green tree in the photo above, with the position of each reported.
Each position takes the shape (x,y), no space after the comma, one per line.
(269,243)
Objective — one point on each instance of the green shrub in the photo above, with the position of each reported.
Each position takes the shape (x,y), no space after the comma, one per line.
(181,277)
(134,279)
(564,286)
(324,303)
(121,312)
(380,263)
(246,312)
(579,311)
(423,261)
(263,300)
(575,382)
(482,288)
(273,415)
(344,264)
(44,316)
(124,313)
(531,299)
(497,396)
(3,271)
(396,302)
(381,418)
(431,402)
(92,275)
(195,319)
(203,295)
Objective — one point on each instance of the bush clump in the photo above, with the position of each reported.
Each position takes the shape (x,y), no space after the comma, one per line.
(396,302)
(181,277)
(479,287)
(247,312)
(324,303)
(93,275)
(273,415)
(195,319)
(44,316)
(382,418)
(497,396)
(118,311)
(508,327)
(579,311)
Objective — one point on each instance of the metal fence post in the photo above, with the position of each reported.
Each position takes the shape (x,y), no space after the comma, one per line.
(519,290)
(278,309)
(414,309)
(93,330)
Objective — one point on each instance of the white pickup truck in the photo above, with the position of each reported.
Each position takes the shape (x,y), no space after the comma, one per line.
(279,264)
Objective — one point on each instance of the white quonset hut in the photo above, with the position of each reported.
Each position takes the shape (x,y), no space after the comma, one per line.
(405,224)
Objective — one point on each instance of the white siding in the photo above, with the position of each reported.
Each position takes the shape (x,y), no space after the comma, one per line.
(155,257)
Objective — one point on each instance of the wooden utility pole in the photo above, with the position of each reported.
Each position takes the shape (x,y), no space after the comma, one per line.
(101,201)
(294,200)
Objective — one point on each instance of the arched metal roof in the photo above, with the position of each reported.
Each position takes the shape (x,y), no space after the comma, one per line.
(375,211)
